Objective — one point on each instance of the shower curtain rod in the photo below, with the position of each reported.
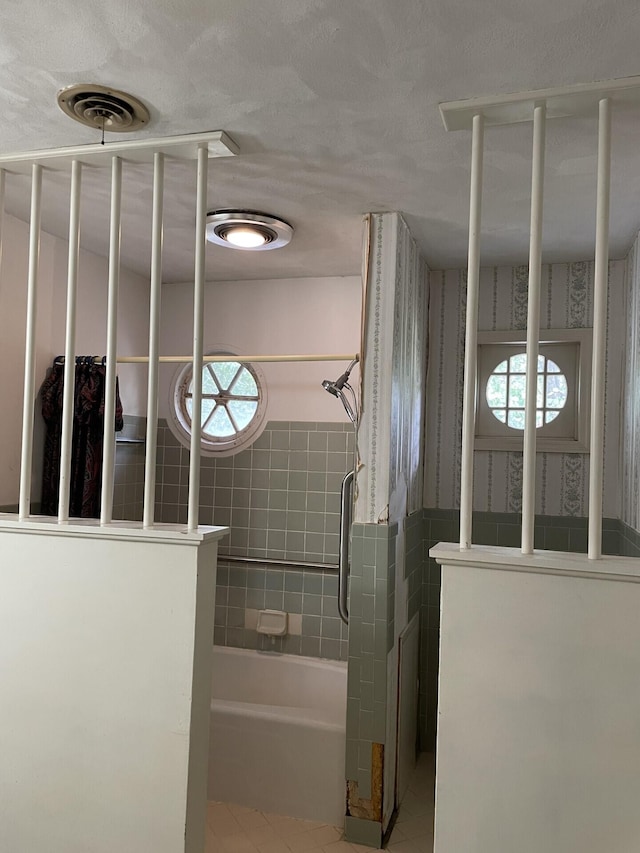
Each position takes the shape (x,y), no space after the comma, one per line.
(183,359)
(180,359)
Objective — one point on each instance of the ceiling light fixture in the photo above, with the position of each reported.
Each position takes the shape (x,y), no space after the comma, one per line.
(247,230)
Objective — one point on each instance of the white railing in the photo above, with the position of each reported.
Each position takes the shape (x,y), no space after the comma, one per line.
(475,114)
(199,147)
(159,152)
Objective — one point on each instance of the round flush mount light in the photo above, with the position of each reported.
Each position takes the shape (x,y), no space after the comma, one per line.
(247,230)
(103,108)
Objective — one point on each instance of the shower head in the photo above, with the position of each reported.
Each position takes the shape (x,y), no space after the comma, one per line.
(336,387)
(330,386)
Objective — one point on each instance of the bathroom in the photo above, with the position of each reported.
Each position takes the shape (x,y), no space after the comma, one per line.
(280,496)
(333,111)
(294,468)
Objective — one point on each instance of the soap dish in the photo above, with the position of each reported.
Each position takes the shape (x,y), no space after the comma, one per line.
(272,622)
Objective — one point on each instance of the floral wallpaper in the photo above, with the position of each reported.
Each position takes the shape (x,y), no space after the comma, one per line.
(390,436)
(562,478)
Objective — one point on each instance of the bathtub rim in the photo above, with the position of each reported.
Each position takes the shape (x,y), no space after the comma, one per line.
(316,663)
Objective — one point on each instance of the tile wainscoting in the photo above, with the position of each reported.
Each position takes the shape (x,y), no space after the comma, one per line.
(281,499)
(128,487)
(311,593)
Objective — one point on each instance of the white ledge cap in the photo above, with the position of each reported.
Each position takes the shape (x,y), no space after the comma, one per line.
(540,562)
(90,528)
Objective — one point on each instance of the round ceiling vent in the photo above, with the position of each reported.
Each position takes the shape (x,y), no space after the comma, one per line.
(102,108)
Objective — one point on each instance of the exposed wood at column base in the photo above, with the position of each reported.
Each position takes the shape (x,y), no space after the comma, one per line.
(370,808)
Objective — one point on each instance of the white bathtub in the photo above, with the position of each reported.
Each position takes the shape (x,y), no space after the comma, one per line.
(278,733)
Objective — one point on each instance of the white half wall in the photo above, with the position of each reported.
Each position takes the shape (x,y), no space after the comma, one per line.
(272,317)
(105,665)
(538,743)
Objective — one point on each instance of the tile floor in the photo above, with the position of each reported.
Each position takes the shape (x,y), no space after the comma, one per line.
(413,830)
(236,829)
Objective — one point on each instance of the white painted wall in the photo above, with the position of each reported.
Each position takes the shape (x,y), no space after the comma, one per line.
(105,665)
(539,700)
(91,334)
(272,317)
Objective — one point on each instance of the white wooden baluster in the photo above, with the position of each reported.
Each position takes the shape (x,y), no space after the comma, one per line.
(70,343)
(154,341)
(533,330)
(471,337)
(108,458)
(198,324)
(599,330)
(26,457)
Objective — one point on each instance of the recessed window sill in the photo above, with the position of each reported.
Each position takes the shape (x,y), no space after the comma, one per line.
(543,445)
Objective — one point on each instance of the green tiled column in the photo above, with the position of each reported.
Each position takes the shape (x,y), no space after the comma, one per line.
(371,615)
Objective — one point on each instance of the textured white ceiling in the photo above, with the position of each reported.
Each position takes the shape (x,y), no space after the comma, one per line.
(334,106)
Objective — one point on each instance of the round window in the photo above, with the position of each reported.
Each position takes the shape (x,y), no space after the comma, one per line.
(507,386)
(233,405)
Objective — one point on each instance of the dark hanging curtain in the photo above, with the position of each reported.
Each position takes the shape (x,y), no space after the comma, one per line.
(88,434)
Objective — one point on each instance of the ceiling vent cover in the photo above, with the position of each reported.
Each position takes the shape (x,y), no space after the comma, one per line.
(102,108)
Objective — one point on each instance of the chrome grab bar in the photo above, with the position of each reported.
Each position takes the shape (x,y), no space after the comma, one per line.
(345,529)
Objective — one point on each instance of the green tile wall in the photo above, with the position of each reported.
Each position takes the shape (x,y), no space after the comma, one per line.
(312,593)
(365,832)
(413,558)
(629,541)
(370,629)
(128,487)
(555,533)
(280,497)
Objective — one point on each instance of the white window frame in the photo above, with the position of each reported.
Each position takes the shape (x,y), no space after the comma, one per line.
(179,422)
(491,434)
